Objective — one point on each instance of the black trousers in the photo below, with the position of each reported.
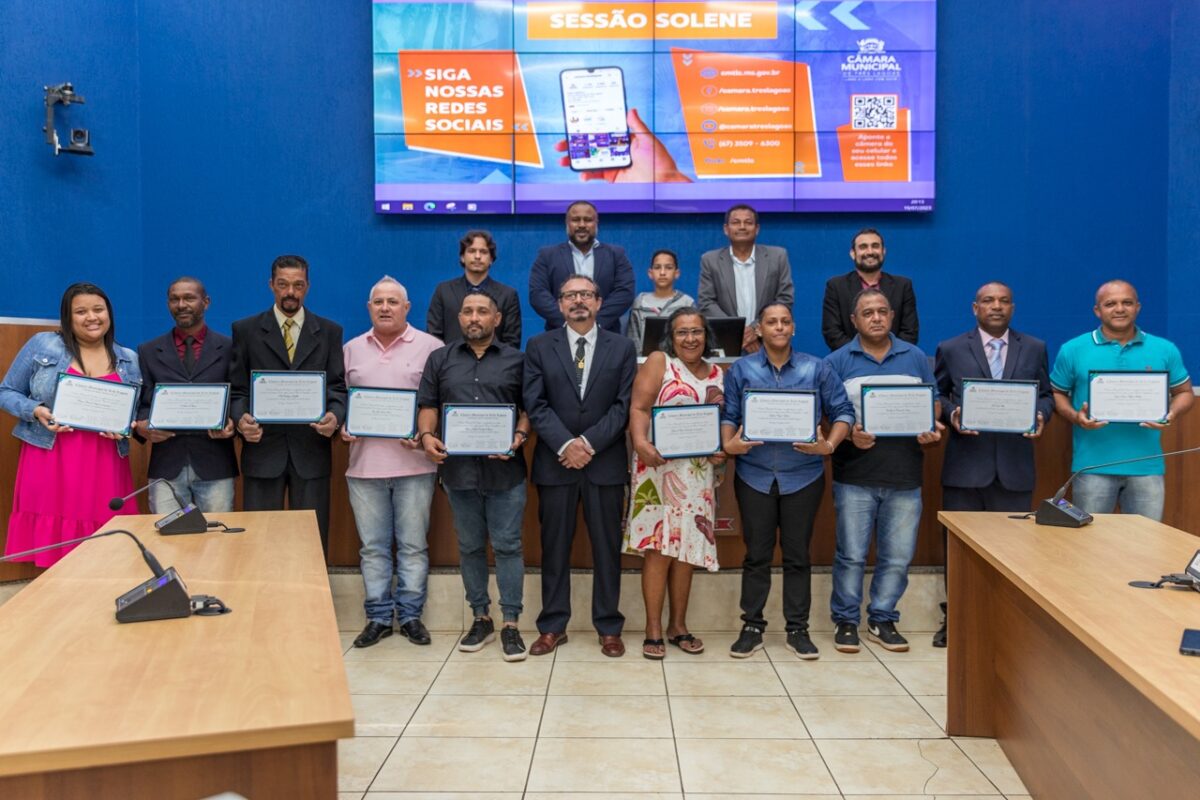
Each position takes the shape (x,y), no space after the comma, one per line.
(988,498)
(602,508)
(267,494)
(792,515)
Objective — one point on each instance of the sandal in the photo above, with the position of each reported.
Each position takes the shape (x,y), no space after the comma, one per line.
(688,644)
(654,655)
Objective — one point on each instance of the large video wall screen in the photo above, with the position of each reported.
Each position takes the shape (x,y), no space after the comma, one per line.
(520,106)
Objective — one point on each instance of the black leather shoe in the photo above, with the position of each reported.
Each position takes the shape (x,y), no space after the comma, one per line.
(416,632)
(939,638)
(372,634)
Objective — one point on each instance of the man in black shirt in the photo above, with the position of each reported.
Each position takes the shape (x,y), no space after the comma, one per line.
(486,493)
(476,253)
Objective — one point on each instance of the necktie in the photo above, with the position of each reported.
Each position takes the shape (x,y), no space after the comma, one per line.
(580,343)
(189,355)
(997,365)
(288,341)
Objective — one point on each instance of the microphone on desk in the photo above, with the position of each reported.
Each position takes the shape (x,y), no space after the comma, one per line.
(185,519)
(1059,512)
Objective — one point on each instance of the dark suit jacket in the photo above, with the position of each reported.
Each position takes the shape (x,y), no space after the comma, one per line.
(840,292)
(975,461)
(717,292)
(558,413)
(613,274)
(258,345)
(442,319)
(212,459)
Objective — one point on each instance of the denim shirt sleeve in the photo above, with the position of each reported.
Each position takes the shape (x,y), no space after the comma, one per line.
(16,389)
(833,396)
(731,412)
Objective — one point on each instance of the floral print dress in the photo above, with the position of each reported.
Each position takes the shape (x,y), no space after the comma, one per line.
(673,506)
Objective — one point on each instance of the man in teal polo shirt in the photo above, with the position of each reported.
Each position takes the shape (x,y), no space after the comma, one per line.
(1117,345)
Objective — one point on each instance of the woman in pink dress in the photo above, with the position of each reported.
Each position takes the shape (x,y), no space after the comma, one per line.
(673,502)
(66,477)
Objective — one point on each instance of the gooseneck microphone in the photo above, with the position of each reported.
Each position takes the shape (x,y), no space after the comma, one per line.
(147,556)
(186,519)
(1061,513)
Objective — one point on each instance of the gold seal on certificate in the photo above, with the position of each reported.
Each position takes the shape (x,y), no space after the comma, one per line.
(779,415)
(478,429)
(287,397)
(1128,396)
(189,406)
(993,406)
(686,431)
(898,409)
(381,413)
(94,404)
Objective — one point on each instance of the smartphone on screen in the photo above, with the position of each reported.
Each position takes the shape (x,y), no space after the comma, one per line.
(595,111)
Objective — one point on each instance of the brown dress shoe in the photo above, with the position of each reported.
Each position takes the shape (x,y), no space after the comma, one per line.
(546,643)
(612,646)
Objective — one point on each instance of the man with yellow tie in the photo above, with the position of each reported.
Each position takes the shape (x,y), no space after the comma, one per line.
(278,458)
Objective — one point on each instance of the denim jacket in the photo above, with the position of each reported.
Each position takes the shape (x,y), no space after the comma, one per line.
(33,377)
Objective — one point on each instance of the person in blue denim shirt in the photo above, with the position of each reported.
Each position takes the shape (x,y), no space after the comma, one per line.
(779,485)
(52,502)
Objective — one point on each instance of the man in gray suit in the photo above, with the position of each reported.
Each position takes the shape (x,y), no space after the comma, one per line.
(738,280)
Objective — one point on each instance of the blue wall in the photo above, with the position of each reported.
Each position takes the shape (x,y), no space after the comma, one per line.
(230,132)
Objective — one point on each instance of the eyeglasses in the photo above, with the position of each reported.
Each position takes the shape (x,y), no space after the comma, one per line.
(580,294)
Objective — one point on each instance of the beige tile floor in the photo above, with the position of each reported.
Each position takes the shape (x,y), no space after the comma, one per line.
(434,723)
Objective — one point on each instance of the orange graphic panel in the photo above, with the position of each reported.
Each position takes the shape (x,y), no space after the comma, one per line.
(877,154)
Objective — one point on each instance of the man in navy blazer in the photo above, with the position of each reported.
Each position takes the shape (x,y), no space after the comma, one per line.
(578,381)
(581,254)
(989,471)
(200,465)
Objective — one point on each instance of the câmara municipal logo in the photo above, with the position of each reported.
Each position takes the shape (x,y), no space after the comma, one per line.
(871,62)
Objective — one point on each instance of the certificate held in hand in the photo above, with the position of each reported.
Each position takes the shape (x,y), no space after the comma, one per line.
(686,431)
(1128,396)
(478,429)
(94,404)
(189,406)
(774,415)
(381,413)
(993,406)
(898,409)
(287,397)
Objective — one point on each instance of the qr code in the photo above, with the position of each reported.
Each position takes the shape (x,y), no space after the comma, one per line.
(873,111)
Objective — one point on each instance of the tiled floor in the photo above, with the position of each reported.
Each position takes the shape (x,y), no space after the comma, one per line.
(437,723)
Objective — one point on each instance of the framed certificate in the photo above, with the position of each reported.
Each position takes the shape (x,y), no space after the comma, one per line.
(287,397)
(189,406)
(478,429)
(779,415)
(686,431)
(992,406)
(381,413)
(1128,396)
(94,404)
(898,409)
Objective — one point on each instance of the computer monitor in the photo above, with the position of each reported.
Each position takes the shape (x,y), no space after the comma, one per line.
(727,331)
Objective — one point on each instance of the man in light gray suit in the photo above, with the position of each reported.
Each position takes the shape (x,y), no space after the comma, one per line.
(738,280)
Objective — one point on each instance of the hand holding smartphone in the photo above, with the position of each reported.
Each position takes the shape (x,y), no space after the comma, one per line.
(595,111)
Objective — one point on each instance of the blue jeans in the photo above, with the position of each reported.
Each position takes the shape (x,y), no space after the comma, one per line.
(894,515)
(479,516)
(395,511)
(211,497)
(1137,494)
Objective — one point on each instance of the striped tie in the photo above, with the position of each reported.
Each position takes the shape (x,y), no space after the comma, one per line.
(288,341)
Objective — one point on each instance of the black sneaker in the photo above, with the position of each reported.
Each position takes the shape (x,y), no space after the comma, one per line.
(799,643)
(416,632)
(885,633)
(747,643)
(939,638)
(482,631)
(510,641)
(845,639)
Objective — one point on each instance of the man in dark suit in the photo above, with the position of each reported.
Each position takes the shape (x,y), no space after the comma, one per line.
(605,264)
(868,253)
(199,465)
(578,381)
(476,253)
(290,459)
(989,471)
(738,280)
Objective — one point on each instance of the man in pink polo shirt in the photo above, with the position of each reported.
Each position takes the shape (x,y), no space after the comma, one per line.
(390,480)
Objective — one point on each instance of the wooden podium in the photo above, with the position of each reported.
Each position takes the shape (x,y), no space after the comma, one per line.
(251,702)
(1076,673)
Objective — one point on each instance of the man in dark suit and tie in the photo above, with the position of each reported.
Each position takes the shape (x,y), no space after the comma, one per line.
(738,280)
(291,459)
(989,471)
(605,264)
(578,381)
(868,253)
(199,465)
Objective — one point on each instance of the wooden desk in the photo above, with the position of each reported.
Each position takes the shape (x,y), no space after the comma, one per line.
(1077,674)
(252,702)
